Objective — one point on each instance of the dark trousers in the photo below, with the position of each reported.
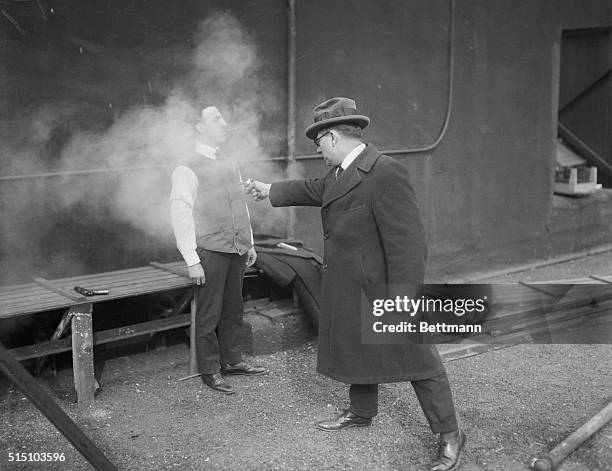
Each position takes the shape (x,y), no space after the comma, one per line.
(434,395)
(219,310)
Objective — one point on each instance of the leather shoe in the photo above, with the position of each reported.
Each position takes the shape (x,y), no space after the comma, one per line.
(215,381)
(243,368)
(449,454)
(345,420)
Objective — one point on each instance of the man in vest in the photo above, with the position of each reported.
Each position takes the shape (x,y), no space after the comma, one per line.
(213,232)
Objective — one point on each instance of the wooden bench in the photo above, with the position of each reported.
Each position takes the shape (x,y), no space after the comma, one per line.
(48,295)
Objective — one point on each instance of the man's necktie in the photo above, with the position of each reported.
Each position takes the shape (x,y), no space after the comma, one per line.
(339,170)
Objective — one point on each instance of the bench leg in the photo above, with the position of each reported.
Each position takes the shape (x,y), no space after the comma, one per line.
(61,329)
(193,363)
(82,353)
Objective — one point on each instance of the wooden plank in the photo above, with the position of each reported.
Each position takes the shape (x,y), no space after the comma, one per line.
(539,288)
(82,354)
(602,279)
(41,349)
(171,269)
(21,311)
(545,319)
(102,337)
(52,298)
(575,296)
(182,302)
(142,279)
(56,289)
(42,299)
(136,284)
(61,286)
(29,306)
(143,328)
(105,275)
(16,292)
(20,286)
(33,307)
(193,363)
(60,330)
(16,373)
(583,149)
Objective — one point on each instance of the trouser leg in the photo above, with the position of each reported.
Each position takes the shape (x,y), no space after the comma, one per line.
(364,399)
(230,323)
(209,302)
(434,395)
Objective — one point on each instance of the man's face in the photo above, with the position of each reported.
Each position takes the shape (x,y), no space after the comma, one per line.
(213,126)
(326,141)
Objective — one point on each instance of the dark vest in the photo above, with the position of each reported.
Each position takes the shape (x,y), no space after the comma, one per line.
(220,211)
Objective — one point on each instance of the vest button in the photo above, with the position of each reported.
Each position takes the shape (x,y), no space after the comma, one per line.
(325,266)
(326,236)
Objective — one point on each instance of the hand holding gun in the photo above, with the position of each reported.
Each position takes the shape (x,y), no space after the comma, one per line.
(257,190)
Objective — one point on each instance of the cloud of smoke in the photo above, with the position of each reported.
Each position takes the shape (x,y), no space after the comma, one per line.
(136,154)
(224,73)
(140,146)
(228,73)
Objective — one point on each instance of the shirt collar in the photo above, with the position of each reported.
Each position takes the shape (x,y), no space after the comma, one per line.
(206,150)
(352,155)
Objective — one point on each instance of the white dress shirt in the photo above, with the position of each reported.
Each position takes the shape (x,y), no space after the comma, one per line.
(352,155)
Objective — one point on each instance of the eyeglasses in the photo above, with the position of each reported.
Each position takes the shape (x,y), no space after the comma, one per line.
(317,139)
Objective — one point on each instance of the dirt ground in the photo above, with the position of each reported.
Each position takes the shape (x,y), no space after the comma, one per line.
(514,403)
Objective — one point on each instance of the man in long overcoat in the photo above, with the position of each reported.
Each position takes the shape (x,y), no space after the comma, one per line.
(373,237)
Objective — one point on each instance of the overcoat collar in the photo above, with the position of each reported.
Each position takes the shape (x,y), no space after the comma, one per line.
(351,177)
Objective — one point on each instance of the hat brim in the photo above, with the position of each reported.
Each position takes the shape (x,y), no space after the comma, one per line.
(359,120)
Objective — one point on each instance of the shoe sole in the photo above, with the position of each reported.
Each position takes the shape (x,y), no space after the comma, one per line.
(220,391)
(227,393)
(340,429)
(229,373)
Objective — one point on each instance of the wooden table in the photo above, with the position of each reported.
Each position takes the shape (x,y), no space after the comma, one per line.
(47,295)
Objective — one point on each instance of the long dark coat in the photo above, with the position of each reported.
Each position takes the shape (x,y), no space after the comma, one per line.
(373,236)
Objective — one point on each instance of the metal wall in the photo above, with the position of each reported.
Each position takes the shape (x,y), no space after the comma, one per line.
(464,93)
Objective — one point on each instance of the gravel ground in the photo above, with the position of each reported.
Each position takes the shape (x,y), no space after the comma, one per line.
(514,403)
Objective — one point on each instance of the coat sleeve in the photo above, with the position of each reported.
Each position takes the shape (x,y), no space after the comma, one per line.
(401,229)
(297,192)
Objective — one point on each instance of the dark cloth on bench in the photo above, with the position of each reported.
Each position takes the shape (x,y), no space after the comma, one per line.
(300,268)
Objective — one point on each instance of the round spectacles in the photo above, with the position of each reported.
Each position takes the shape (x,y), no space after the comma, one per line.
(317,139)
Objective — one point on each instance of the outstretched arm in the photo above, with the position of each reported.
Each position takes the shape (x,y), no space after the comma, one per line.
(288,192)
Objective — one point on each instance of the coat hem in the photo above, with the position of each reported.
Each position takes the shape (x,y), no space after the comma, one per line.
(382,379)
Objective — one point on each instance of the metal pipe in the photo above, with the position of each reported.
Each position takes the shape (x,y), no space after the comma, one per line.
(291,106)
(16,373)
(551,460)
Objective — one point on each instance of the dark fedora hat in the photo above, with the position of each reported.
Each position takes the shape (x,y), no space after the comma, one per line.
(335,111)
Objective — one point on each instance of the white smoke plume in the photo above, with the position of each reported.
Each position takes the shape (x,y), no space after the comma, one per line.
(137,153)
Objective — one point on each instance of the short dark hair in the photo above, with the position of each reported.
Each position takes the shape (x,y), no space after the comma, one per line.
(348,130)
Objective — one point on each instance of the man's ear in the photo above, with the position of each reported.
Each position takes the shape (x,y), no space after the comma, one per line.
(334,138)
(200,127)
